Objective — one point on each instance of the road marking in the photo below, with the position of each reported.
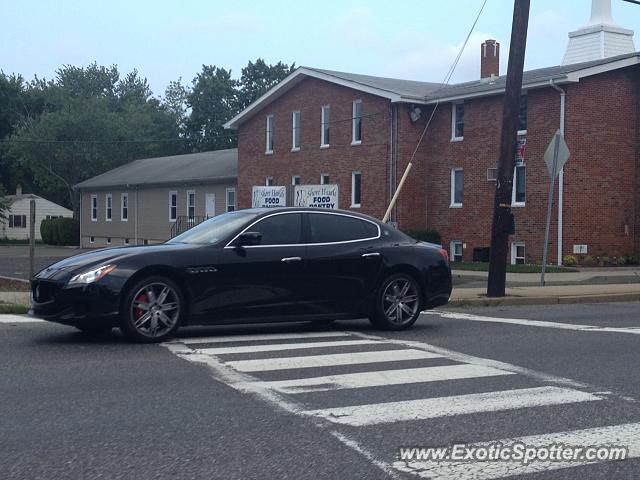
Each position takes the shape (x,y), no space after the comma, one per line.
(13,319)
(382,378)
(536,323)
(260,337)
(286,363)
(429,408)
(283,346)
(627,435)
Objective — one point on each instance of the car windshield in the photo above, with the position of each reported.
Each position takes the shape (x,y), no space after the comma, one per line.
(215,229)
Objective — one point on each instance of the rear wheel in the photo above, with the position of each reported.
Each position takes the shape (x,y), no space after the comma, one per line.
(152,310)
(397,303)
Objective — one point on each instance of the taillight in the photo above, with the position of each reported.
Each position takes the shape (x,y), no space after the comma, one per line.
(445,255)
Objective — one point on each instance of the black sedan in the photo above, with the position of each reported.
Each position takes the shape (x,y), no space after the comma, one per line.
(259,265)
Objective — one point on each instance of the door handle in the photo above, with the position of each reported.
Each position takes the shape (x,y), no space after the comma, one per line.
(291,259)
(370,255)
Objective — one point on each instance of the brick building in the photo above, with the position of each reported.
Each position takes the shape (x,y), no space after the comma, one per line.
(359,132)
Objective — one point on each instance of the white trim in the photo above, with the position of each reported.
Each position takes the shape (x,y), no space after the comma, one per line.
(268,182)
(228,245)
(353,122)
(189,192)
(173,193)
(94,218)
(323,122)
(353,189)
(269,135)
(452,250)
(453,203)
(454,117)
(322,175)
(294,178)
(122,197)
(513,190)
(227,199)
(107,208)
(294,127)
(514,252)
(92,239)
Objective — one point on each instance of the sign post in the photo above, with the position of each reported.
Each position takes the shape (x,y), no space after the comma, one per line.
(555,157)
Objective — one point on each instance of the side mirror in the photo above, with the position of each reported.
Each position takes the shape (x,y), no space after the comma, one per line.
(247,239)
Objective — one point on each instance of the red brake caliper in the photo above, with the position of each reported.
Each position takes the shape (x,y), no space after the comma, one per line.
(141,299)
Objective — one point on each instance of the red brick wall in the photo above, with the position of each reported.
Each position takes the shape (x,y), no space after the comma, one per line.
(339,160)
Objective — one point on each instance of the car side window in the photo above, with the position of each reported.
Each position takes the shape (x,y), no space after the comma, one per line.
(285,229)
(331,228)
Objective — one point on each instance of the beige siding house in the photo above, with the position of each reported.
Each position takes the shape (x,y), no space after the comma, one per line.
(150,200)
(16,226)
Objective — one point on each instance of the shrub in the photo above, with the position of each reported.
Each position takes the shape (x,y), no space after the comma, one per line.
(622,261)
(604,260)
(589,261)
(570,261)
(424,235)
(60,231)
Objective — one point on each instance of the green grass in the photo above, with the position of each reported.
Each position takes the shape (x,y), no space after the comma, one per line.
(484,267)
(12,308)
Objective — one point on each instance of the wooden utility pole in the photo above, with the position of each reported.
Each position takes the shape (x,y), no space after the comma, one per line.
(502,217)
(32,238)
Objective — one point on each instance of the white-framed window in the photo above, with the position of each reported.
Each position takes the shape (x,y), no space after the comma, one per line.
(522,114)
(492,174)
(126,241)
(124,207)
(325,179)
(268,181)
(518,253)
(295,180)
(269,147)
(295,134)
(356,123)
(457,187)
(519,191)
(231,199)
(325,116)
(356,189)
(173,206)
(108,240)
(17,221)
(94,208)
(455,251)
(108,207)
(92,239)
(457,122)
(191,204)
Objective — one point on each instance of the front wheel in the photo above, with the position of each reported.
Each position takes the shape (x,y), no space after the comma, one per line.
(152,310)
(397,303)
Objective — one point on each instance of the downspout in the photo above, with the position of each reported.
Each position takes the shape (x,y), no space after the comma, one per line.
(563,97)
(391,165)
(135,216)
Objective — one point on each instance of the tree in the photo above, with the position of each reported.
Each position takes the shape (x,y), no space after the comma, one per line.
(175,101)
(213,101)
(4,204)
(256,78)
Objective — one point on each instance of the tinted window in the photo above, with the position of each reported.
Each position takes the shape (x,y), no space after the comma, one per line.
(283,229)
(327,228)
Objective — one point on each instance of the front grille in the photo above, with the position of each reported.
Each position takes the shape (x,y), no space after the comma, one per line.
(44,291)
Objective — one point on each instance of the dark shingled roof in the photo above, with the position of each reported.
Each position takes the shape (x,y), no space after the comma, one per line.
(207,167)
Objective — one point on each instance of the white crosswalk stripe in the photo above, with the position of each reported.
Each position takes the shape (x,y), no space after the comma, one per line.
(292,369)
(428,408)
(384,377)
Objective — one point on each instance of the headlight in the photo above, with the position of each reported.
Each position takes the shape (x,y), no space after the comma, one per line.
(91,275)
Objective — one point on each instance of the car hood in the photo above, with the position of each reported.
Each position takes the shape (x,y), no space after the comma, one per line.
(96,258)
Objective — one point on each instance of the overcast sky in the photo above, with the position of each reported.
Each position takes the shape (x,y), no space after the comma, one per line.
(164,40)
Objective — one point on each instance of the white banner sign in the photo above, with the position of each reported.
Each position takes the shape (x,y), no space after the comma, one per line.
(317,196)
(269,197)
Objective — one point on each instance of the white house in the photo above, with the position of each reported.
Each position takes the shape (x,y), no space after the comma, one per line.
(16,226)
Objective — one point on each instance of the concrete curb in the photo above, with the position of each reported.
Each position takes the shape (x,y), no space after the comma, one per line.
(550,300)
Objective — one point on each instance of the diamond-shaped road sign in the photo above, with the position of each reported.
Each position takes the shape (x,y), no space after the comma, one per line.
(556,155)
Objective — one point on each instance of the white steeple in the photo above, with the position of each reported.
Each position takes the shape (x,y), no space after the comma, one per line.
(600,38)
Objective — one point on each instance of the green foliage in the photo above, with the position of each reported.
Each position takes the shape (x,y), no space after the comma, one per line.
(528,268)
(60,231)
(588,261)
(4,204)
(431,236)
(256,78)
(570,261)
(622,261)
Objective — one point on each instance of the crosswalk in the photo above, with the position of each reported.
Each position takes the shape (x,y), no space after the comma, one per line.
(324,376)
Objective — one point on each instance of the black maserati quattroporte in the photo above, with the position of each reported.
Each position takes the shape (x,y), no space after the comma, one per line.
(259,265)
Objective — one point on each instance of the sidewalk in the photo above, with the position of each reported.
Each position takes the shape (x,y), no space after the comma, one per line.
(550,295)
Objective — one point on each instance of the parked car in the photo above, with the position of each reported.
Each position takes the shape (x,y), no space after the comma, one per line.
(257,265)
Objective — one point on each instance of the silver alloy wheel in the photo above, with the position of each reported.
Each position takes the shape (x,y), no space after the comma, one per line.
(155,310)
(400,301)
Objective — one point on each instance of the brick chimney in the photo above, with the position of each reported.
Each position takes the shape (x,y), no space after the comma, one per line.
(489,59)
(18,190)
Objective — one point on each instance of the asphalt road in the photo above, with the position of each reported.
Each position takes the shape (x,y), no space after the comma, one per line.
(14,259)
(213,406)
